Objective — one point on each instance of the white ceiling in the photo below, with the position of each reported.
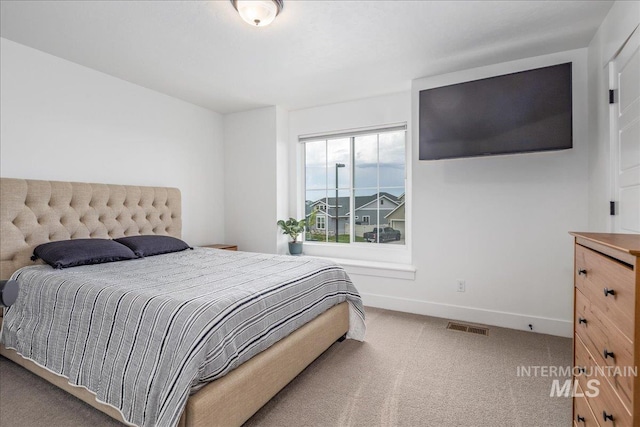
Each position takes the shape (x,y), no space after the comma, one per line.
(315,52)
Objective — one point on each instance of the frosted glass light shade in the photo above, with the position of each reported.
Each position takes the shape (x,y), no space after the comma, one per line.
(258,13)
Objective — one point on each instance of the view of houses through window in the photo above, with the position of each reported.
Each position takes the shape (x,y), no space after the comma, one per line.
(355,185)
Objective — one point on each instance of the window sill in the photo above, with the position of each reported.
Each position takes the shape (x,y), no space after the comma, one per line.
(376,268)
(376,253)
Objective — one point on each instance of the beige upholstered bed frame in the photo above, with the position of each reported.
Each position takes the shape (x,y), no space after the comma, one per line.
(34,212)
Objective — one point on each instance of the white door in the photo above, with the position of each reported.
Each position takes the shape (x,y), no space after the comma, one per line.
(625,133)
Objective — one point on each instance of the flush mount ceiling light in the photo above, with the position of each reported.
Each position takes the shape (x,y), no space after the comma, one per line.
(258,13)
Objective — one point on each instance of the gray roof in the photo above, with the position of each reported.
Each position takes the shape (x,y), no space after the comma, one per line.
(343,203)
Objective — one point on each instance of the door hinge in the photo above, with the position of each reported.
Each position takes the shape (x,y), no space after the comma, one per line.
(612,208)
(612,96)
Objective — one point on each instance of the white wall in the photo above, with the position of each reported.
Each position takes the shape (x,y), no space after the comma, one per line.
(250,161)
(500,223)
(282,175)
(619,23)
(62,121)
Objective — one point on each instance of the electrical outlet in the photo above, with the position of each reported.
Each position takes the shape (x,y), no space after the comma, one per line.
(461,286)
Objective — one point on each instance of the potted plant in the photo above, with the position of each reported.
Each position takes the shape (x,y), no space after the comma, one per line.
(293,228)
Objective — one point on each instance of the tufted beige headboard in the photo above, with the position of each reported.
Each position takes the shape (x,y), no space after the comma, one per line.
(34,212)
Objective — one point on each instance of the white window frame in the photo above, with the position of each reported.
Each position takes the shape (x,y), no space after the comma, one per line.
(382,253)
(324,222)
(366,219)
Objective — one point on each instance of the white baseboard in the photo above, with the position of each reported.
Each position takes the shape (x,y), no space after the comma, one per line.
(542,325)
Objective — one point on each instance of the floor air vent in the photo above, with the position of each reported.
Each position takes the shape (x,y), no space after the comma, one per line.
(468,328)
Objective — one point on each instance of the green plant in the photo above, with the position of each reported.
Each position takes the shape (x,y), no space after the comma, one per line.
(293,227)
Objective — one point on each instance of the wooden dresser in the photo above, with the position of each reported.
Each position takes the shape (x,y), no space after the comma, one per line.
(606,339)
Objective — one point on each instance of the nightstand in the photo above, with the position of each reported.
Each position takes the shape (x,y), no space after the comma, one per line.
(222,246)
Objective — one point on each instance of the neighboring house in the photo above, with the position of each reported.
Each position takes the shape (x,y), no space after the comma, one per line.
(366,212)
(326,215)
(367,208)
(396,219)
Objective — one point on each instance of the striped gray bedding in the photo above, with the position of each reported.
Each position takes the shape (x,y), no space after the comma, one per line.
(144,334)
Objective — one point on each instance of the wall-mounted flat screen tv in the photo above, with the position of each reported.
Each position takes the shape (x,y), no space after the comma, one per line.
(512,113)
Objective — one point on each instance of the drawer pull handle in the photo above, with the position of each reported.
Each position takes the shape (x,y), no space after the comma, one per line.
(607,354)
(607,417)
(580,419)
(582,320)
(582,271)
(608,292)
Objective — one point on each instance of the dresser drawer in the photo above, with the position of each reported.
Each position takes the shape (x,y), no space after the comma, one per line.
(606,404)
(597,334)
(609,285)
(583,416)
(620,384)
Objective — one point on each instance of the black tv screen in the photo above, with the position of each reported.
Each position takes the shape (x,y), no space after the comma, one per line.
(513,113)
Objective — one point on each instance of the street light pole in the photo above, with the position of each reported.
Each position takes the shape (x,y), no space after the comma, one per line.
(338,165)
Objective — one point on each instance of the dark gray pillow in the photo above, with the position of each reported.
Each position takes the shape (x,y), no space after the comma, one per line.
(71,253)
(153,244)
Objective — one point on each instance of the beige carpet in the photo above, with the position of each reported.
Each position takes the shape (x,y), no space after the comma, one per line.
(411,371)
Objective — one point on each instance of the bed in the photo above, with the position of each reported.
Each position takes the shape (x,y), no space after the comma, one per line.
(34,212)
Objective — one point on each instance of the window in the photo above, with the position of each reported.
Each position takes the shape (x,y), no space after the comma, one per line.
(357,175)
